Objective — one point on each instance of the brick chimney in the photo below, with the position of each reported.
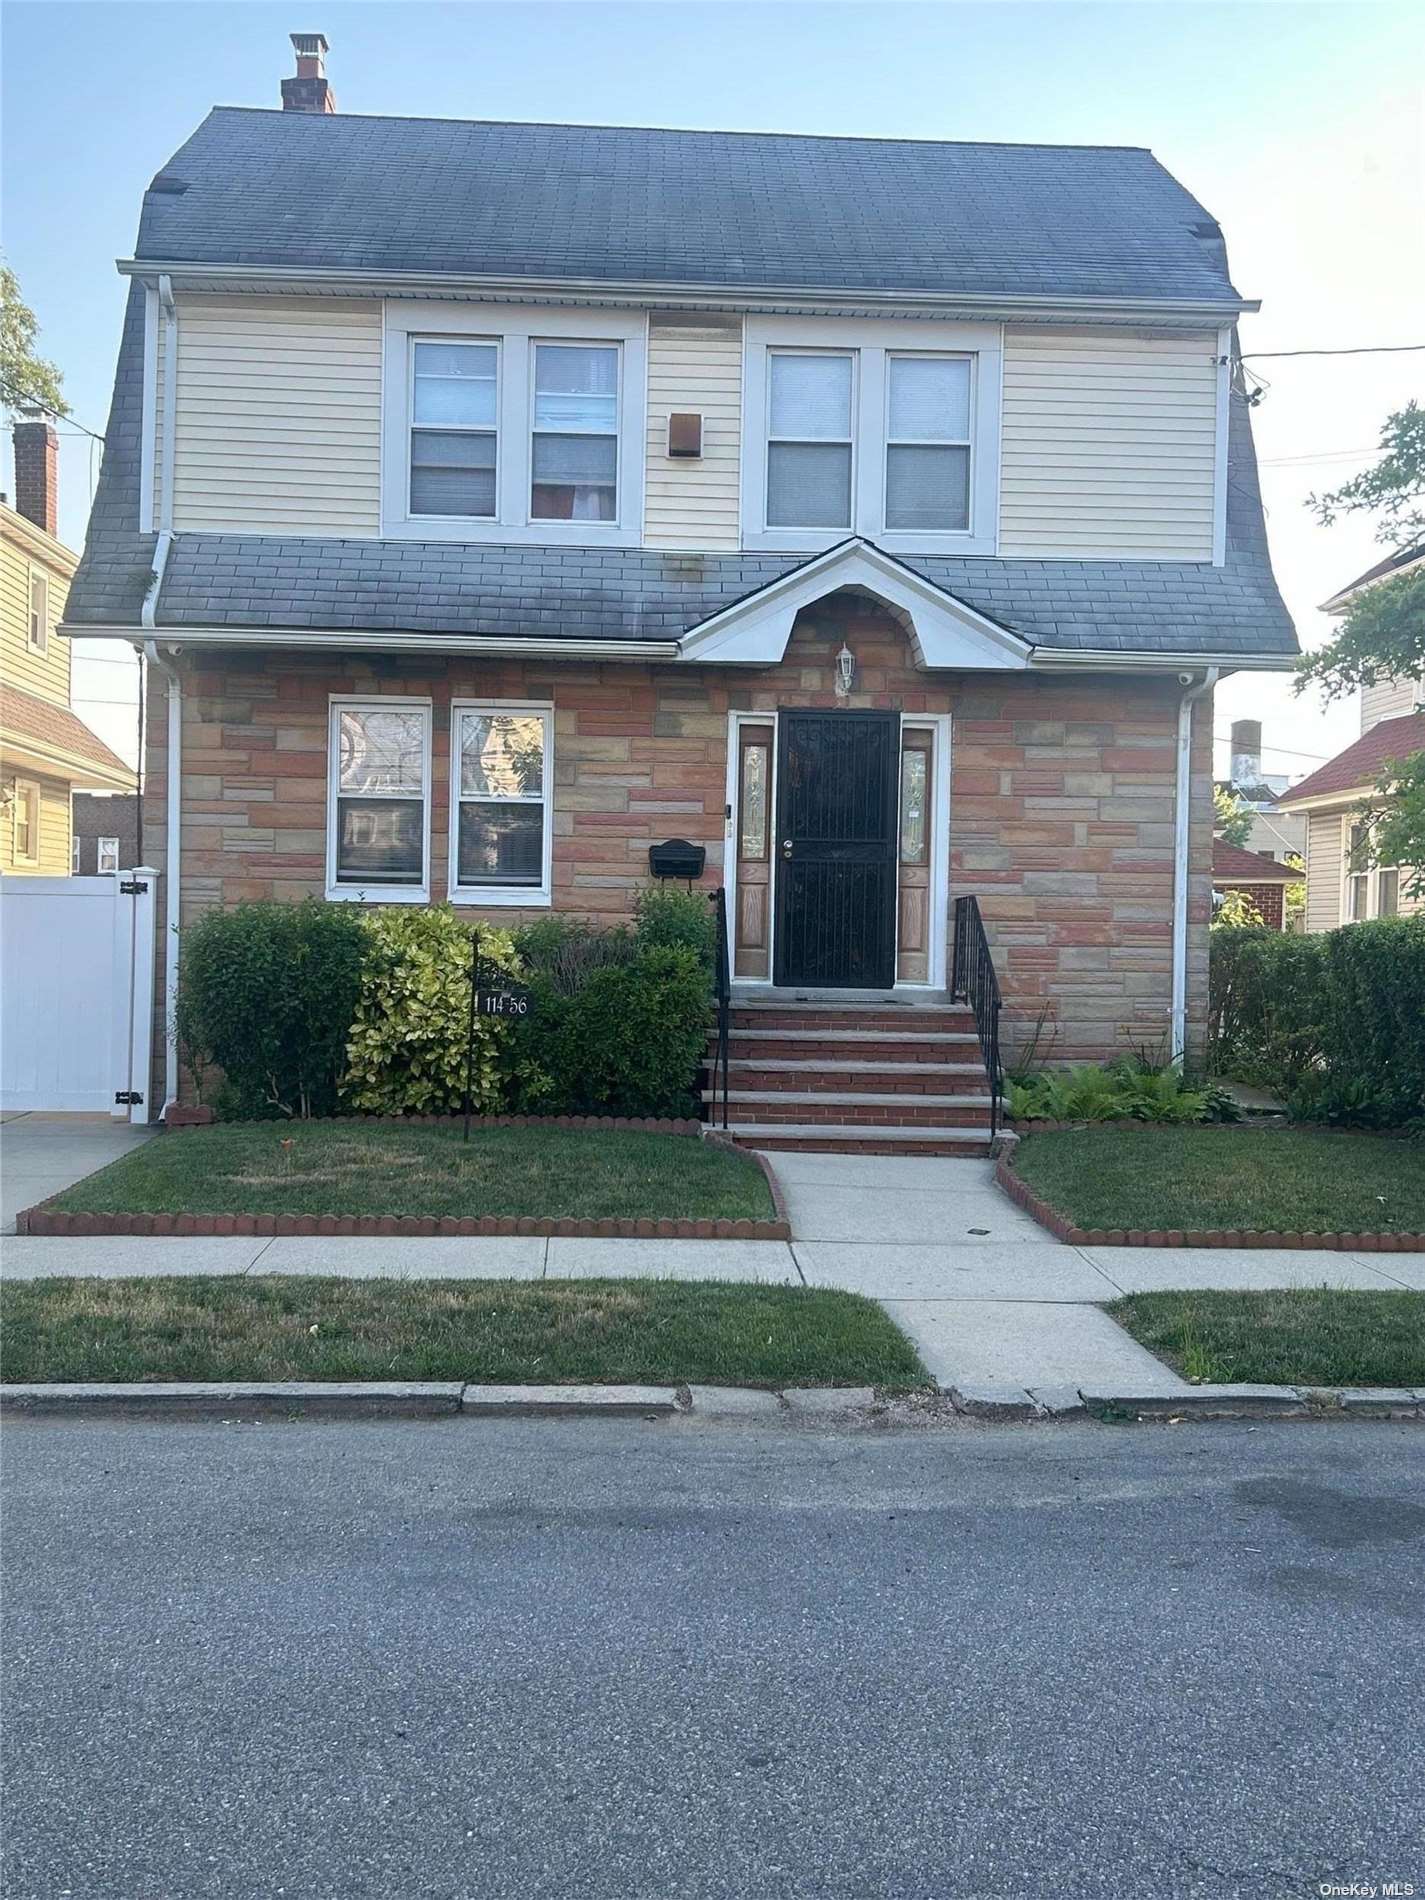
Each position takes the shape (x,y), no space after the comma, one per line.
(1246,765)
(37,473)
(309,91)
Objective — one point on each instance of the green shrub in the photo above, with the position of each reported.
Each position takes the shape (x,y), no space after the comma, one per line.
(668,916)
(1373,1032)
(566,951)
(1123,1091)
(628,1041)
(1267,1000)
(406,1054)
(267,991)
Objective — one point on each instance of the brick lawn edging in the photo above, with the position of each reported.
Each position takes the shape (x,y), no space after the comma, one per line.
(1062,1228)
(717,1139)
(202,1117)
(43,1220)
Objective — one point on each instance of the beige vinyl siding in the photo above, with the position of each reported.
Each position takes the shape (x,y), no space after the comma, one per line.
(1108,446)
(1325,846)
(279,416)
(694,363)
(45,674)
(53,859)
(1388,699)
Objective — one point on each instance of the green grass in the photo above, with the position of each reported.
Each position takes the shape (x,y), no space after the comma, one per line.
(660,1332)
(352,1168)
(1322,1336)
(1261,1179)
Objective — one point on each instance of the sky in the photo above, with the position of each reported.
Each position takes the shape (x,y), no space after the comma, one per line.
(1300,127)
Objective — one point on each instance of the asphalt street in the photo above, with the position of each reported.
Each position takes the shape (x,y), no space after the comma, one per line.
(463,1661)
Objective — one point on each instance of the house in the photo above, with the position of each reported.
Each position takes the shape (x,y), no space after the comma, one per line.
(106,832)
(497,501)
(46,751)
(1340,888)
(1262,880)
(1274,833)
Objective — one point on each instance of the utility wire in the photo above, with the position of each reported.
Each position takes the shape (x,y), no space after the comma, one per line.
(1370,349)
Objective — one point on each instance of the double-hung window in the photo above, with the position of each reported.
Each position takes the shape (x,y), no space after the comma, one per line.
(378,800)
(883,428)
(810,401)
(928,443)
(38,636)
(106,856)
(574,453)
(502,777)
(1358,876)
(516,425)
(454,388)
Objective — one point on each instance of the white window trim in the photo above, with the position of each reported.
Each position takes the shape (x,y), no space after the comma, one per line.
(100,867)
(533,897)
(515,329)
(872,340)
(35,574)
(376,893)
(1349,823)
(25,790)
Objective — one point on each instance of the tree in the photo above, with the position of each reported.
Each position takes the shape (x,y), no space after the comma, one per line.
(1394,489)
(27,381)
(1236,912)
(1231,819)
(1382,632)
(1394,822)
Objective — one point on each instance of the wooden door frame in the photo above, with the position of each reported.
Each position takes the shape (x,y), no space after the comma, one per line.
(939,725)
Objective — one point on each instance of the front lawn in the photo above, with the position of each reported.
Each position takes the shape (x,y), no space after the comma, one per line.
(1291,1180)
(365,1168)
(500,1332)
(1325,1336)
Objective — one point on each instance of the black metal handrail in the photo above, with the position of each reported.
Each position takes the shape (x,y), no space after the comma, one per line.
(974,982)
(722,997)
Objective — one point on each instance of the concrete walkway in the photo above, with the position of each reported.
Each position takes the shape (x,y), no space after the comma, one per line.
(989,1297)
(42,1153)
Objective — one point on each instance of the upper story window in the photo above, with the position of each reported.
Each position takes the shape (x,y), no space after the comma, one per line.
(453,428)
(574,458)
(38,634)
(882,428)
(534,433)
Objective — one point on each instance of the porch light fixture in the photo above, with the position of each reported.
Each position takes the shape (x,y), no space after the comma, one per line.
(845,672)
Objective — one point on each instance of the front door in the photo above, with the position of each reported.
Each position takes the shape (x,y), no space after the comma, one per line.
(835,849)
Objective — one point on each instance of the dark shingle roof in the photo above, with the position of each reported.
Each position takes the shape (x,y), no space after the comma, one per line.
(730,209)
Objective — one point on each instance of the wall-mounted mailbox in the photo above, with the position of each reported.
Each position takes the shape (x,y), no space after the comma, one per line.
(685,436)
(677,858)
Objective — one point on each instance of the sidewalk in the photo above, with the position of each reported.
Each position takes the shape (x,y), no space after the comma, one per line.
(989,1297)
(42,1153)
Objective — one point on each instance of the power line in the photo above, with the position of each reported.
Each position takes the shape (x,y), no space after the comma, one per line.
(60,415)
(1326,455)
(1282,751)
(1369,349)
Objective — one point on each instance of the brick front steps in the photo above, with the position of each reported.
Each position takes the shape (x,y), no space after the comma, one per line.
(845,1077)
(1063,1228)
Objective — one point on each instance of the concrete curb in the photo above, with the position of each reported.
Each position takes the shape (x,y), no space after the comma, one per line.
(1062,1228)
(455,1398)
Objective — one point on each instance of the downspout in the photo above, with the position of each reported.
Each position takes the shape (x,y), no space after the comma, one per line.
(1182,833)
(173,782)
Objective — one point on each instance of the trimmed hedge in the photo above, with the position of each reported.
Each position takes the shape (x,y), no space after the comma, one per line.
(266,993)
(312,1009)
(1335,1021)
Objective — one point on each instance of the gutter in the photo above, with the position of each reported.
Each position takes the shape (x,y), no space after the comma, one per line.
(1182,832)
(173,790)
(680,296)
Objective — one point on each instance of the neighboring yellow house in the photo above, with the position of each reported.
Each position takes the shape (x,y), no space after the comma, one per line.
(46,750)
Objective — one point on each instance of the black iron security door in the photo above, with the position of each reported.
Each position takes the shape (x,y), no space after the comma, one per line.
(836,849)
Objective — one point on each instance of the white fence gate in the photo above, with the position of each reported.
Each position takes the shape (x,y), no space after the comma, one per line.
(76,993)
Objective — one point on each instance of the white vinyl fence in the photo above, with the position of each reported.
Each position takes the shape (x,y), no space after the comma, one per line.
(76,993)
